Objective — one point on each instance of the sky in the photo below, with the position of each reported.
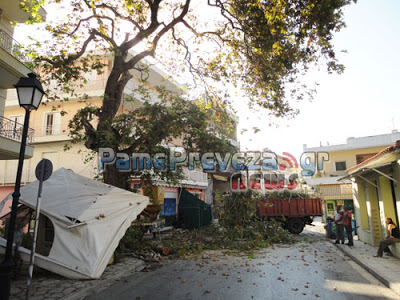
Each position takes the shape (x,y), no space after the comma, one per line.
(363,101)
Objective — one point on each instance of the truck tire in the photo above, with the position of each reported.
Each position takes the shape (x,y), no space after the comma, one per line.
(295,226)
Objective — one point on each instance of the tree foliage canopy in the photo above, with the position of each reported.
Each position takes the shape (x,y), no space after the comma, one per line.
(262,47)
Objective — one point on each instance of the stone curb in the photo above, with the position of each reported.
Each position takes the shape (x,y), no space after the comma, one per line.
(370,270)
(103,284)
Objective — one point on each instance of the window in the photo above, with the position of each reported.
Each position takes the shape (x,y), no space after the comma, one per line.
(363,157)
(340,166)
(52,123)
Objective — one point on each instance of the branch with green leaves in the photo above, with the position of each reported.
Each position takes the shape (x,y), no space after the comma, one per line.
(261,48)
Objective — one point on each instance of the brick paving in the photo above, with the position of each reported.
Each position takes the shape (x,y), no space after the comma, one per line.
(49,286)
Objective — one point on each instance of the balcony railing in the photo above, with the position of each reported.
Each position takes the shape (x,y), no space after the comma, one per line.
(13,47)
(13,130)
(195,175)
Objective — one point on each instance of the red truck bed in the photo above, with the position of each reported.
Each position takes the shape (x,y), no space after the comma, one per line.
(293,208)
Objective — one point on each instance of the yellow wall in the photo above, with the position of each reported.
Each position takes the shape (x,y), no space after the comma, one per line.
(343,191)
(52,146)
(362,201)
(49,146)
(2,101)
(396,175)
(73,159)
(374,211)
(38,117)
(374,214)
(387,199)
(349,156)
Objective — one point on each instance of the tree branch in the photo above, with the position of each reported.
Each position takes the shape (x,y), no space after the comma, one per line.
(91,134)
(117,14)
(72,57)
(187,57)
(150,52)
(146,32)
(217,34)
(224,11)
(110,40)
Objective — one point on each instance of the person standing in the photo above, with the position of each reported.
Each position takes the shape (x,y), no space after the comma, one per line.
(339,225)
(392,238)
(347,225)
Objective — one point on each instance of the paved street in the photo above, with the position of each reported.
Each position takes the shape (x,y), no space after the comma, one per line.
(50,286)
(311,269)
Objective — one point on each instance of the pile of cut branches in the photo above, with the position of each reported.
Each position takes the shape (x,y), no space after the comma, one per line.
(240,229)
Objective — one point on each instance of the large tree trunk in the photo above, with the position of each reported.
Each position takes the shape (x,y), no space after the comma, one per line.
(112,99)
(115,177)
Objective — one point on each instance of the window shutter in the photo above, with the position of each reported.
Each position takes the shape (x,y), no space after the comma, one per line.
(57,123)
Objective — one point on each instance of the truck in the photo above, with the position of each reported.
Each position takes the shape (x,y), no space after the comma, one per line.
(294,213)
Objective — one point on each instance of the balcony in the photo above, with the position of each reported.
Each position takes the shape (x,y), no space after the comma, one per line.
(10,139)
(198,177)
(12,61)
(336,191)
(13,130)
(12,47)
(11,9)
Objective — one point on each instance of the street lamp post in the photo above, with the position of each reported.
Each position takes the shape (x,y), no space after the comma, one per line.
(30,93)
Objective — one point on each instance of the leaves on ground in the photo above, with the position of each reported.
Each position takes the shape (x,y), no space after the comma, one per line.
(241,232)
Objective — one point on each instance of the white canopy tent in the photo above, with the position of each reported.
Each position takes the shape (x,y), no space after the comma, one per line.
(89,219)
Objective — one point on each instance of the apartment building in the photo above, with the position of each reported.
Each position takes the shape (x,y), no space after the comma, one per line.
(376,194)
(342,157)
(13,66)
(50,123)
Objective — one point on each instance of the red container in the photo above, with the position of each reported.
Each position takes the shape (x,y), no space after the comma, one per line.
(295,213)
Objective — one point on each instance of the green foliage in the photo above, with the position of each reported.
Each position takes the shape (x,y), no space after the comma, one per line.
(131,242)
(241,230)
(33,8)
(239,209)
(287,194)
(261,47)
(192,243)
(272,43)
(240,219)
(151,127)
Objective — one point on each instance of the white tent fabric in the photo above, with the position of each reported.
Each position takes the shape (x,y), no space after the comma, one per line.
(89,219)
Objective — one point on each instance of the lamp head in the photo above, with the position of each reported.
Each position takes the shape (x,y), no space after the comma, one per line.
(30,92)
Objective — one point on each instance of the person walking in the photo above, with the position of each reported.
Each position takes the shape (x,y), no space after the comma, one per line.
(338,214)
(347,216)
(392,238)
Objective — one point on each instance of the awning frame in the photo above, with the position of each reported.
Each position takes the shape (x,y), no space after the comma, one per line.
(385,175)
(365,179)
(368,169)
